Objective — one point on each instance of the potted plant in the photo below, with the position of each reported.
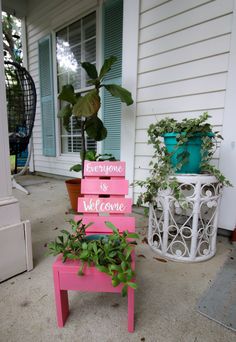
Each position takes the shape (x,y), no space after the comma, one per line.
(109,253)
(179,147)
(86,107)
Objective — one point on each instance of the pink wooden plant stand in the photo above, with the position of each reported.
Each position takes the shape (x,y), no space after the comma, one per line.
(104,189)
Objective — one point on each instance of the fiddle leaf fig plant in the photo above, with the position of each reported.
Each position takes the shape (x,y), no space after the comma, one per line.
(86,107)
(162,170)
(92,155)
(110,254)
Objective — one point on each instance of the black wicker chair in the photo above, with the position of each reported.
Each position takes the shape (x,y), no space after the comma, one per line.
(21,107)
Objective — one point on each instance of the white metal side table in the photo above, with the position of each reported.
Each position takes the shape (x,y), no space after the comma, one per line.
(186,232)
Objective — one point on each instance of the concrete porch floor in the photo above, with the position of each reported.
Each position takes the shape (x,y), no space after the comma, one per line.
(165,302)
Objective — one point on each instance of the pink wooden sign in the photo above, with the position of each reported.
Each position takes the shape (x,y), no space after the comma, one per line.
(104,205)
(104,186)
(105,169)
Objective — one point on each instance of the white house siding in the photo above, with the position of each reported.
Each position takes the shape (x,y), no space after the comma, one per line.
(182,65)
(43,17)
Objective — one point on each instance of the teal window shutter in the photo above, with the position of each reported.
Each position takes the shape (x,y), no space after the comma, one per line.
(46,96)
(112,45)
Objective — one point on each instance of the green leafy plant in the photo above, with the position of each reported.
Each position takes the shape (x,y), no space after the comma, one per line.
(162,171)
(92,155)
(109,253)
(86,107)
(12,42)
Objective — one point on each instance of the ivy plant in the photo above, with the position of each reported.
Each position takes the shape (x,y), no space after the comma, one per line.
(162,171)
(109,253)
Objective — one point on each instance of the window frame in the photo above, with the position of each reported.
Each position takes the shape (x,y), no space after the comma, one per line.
(59,134)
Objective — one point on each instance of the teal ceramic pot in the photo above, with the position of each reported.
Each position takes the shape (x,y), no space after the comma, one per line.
(96,237)
(192,147)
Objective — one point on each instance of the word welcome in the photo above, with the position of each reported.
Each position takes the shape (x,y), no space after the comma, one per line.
(103,168)
(103,206)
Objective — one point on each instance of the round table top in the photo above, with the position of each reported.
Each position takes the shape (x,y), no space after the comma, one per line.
(195,178)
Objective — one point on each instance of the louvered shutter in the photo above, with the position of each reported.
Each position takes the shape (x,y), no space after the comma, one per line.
(46,97)
(112,41)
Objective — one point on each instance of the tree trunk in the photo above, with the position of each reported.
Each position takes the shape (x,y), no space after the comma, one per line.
(83,150)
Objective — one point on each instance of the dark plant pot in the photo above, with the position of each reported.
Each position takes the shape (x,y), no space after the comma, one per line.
(74,191)
(95,237)
(192,147)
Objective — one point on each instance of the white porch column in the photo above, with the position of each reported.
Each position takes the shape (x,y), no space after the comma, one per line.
(9,207)
(227,218)
(15,239)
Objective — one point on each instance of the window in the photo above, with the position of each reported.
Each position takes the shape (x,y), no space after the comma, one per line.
(75,43)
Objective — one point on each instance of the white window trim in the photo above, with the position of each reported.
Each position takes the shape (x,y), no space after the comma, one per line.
(129,81)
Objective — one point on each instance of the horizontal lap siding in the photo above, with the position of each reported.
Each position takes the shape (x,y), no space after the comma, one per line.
(182,67)
(44,17)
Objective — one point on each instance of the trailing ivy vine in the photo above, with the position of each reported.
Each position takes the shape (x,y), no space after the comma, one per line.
(162,172)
